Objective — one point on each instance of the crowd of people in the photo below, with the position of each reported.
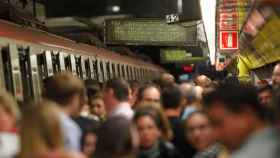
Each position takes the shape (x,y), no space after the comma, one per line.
(200,118)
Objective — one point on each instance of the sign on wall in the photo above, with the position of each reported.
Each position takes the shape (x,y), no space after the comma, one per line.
(228,40)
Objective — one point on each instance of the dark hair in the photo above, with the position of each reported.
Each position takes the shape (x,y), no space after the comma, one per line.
(265,88)
(114,138)
(276,99)
(92,129)
(62,87)
(157,114)
(235,98)
(143,88)
(171,97)
(120,88)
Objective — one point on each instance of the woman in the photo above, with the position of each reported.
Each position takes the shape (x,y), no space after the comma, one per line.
(41,134)
(201,136)
(89,140)
(154,133)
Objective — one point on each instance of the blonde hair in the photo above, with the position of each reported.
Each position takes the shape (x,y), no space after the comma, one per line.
(40,130)
(9,104)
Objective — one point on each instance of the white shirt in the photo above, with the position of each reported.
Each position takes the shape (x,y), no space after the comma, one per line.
(123,109)
(71,132)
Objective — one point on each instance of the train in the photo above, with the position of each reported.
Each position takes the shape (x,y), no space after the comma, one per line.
(29,56)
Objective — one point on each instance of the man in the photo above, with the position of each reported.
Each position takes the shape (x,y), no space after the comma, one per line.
(265,95)
(276,75)
(115,97)
(171,99)
(238,119)
(149,93)
(69,92)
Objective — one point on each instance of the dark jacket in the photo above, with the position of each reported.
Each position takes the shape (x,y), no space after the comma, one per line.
(163,150)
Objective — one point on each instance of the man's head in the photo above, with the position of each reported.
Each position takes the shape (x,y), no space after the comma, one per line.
(235,113)
(265,95)
(115,92)
(189,93)
(166,79)
(171,97)
(276,75)
(149,93)
(66,90)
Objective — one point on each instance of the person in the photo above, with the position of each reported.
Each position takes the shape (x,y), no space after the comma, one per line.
(134,88)
(41,133)
(276,75)
(89,140)
(190,99)
(117,138)
(166,79)
(239,121)
(148,93)
(9,117)
(154,132)
(69,92)
(265,95)
(171,100)
(201,135)
(202,81)
(97,108)
(115,97)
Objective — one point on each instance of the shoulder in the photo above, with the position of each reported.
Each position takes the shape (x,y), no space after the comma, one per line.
(167,149)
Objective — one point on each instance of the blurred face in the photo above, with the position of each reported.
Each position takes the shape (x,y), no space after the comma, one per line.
(276,75)
(148,131)
(77,103)
(108,99)
(199,132)
(231,128)
(90,144)
(7,121)
(265,97)
(151,95)
(98,107)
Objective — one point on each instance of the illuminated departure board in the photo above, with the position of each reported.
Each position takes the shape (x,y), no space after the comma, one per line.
(178,56)
(149,32)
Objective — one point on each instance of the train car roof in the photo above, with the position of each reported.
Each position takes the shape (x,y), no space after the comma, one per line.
(26,34)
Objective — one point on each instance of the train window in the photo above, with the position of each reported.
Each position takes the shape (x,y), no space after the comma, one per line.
(78,64)
(100,70)
(26,75)
(7,68)
(67,61)
(108,70)
(55,62)
(84,73)
(128,73)
(105,72)
(95,68)
(88,69)
(2,76)
(114,70)
(123,72)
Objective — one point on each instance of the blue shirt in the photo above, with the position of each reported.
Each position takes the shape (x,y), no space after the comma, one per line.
(71,132)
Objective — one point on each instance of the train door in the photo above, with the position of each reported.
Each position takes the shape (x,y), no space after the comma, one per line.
(62,61)
(11,69)
(26,74)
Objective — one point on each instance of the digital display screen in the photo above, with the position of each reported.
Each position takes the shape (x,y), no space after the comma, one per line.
(150,32)
(178,56)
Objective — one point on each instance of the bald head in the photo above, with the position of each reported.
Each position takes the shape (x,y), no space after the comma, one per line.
(276,75)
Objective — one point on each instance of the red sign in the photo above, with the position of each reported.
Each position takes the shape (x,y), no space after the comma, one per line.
(228,40)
